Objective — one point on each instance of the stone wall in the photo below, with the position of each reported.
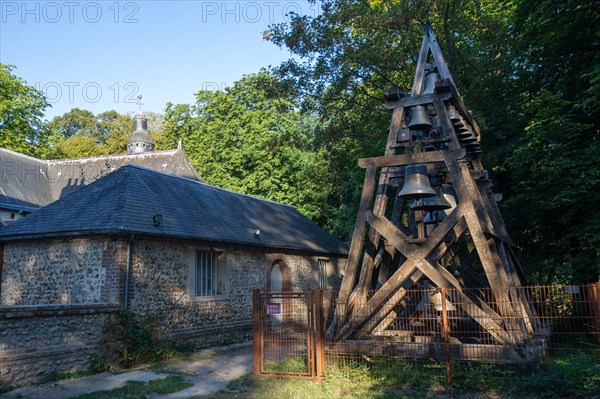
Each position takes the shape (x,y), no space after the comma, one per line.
(37,342)
(162,291)
(81,270)
(55,296)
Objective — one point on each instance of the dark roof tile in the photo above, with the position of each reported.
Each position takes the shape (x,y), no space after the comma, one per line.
(127,200)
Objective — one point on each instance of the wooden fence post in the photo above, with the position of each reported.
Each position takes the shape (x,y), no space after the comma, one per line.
(446,331)
(317,297)
(596,313)
(256,333)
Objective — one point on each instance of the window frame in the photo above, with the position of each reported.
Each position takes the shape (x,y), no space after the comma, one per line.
(323,273)
(220,275)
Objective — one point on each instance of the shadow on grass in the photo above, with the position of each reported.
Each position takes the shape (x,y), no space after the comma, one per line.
(569,375)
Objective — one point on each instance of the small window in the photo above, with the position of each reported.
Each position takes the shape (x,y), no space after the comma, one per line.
(206,274)
(323,273)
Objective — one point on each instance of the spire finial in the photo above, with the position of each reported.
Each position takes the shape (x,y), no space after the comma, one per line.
(427,24)
(139,102)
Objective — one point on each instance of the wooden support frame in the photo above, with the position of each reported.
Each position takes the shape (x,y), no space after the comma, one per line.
(475,221)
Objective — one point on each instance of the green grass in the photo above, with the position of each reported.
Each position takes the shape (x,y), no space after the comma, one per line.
(71,375)
(139,390)
(291,364)
(569,374)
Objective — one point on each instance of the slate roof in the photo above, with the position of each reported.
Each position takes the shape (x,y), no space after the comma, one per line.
(125,201)
(22,184)
(28,183)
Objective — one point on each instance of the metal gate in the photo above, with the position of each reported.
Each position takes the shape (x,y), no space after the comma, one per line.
(288,334)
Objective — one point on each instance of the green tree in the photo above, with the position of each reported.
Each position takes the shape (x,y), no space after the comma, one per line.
(22,107)
(353,50)
(554,168)
(253,139)
(80,133)
(74,122)
(530,71)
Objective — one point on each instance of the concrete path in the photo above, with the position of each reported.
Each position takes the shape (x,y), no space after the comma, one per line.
(209,370)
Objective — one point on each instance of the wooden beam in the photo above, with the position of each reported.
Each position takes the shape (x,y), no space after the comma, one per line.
(442,278)
(436,52)
(492,208)
(368,311)
(355,248)
(381,200)
(395,125)
(447,127)
(492,265)
(392,234)
(423,99)
(406,159)
(380,317)
(421,62)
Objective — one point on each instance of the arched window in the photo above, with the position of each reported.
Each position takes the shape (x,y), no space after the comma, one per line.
(279,277)
(278,280)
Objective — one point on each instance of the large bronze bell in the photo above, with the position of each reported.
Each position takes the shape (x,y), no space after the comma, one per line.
(437,203)
(419,119)
(416,183)
(430,80)
(449,195)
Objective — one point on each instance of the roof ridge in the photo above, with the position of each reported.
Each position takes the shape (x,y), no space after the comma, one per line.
(22,155)
(204,183)
(100,157)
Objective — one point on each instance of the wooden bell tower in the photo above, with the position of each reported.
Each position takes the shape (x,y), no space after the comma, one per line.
(398,245)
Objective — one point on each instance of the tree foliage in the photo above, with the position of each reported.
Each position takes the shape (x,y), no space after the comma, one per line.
(529,69)
(22,127)
(80,133)
(554,170)
(252,138)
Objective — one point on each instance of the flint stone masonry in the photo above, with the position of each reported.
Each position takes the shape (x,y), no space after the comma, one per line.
(56,295)
(60,272)
(162,285)
(37,342)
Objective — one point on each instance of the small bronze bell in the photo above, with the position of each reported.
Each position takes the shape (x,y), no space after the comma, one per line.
(434,217)
(468,139)
(461,126)
(430,80)
(453,114)
(466,133)
(416,183)
(473,148)
(419,119)
(437,203)
(403,135)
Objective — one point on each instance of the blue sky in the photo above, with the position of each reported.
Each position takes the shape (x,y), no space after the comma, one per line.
(99,55)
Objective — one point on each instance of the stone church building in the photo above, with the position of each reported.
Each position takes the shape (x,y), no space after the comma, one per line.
(84,238)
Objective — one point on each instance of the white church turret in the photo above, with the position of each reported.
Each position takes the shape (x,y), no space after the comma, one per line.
(139,140)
